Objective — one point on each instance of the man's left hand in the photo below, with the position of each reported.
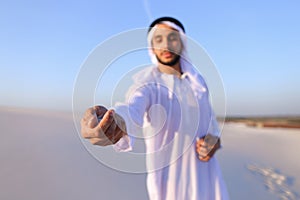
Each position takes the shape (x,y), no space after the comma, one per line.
(207,146)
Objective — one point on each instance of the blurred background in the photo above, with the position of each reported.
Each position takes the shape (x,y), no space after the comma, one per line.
(255,46)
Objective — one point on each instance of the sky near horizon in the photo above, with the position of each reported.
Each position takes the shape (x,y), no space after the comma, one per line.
(255,46)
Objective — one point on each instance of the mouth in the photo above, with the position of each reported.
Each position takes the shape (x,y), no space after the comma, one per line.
(167,54)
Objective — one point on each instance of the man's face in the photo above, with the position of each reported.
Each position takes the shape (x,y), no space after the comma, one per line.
(166,45)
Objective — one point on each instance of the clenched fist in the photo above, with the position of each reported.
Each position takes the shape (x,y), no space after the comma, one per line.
(207,146)
(102,127)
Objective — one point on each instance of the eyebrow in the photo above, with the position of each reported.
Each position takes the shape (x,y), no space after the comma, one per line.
(173,34)
(157,37)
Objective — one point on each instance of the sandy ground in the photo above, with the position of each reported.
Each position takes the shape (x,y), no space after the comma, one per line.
(261,163)
(42,157)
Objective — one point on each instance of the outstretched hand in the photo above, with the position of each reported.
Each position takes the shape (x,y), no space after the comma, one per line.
(207,146)
(102,127)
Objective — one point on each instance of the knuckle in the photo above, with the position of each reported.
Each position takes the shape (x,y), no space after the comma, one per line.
(95,141)
(91,109)
(92,141)
(110,131)
(84,135)
(108,142)
(117,138)
(104,124)
(99,134)
(88,112)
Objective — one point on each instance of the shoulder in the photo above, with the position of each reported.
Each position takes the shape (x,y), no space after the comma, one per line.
(146,75)
(143,82)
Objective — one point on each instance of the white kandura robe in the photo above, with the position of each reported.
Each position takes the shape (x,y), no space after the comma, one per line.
(171,115)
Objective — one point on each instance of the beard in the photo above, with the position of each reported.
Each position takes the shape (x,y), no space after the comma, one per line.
(169,63)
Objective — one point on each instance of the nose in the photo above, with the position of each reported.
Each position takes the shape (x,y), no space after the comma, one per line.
(164,44)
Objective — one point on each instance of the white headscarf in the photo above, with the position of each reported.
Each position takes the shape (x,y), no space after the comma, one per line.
(197,81)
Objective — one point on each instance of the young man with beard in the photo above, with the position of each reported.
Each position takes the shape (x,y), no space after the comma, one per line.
(169,103)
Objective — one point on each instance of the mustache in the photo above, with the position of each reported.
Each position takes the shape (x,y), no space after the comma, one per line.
(169,51)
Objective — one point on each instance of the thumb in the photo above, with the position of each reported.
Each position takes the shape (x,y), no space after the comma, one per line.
(106,121)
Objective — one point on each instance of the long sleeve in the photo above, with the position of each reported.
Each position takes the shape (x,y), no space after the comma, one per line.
(213,125)
(133,111)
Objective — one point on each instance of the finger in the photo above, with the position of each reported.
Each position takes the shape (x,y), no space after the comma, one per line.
(120,122)
(92,122)
(111,139)
(88,132)
(211,139)
(199,147)
(203,145)
(100,141)
(111,130)
(90,118)
(212,152)
(91,115)
(87,127)
(214,149)
(105,121)
(119,133)
(200,143)
(116,136)
(197,140)
(202,152)
(209,143)
(204,159)
(114,133)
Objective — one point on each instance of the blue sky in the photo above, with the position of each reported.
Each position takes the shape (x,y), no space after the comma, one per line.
(254,44)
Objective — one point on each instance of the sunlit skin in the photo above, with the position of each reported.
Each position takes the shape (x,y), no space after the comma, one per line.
(109,130)
(207,146)
(167,46)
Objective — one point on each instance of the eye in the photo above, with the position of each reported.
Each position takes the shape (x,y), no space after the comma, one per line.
(157,39)
(173,37)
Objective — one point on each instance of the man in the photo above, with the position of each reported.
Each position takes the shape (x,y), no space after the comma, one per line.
(169,104)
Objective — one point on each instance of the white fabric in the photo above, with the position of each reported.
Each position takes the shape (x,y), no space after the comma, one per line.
(171,113)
